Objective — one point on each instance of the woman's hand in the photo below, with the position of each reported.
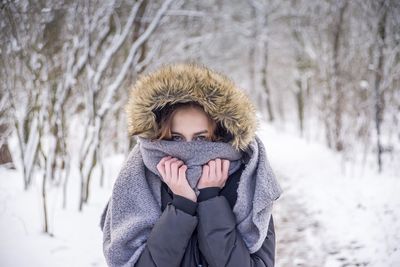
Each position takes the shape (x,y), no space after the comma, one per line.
(215,174)
(173,172)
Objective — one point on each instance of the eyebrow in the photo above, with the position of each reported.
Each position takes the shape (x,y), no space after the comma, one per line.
(205,131)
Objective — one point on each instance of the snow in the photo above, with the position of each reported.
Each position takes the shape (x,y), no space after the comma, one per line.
(76,237)
(330,213)
(358,210)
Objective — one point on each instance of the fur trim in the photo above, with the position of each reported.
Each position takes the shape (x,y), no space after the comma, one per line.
(183,82)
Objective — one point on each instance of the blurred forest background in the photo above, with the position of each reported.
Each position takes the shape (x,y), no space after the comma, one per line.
(327,70)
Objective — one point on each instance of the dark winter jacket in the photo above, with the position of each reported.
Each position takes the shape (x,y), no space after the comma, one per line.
(203,233)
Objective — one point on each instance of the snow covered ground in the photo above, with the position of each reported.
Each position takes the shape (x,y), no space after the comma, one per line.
(330,214)
(350,215)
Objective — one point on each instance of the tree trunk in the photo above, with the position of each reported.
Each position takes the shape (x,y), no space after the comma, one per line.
(300,105)
(378,79)
(337,85)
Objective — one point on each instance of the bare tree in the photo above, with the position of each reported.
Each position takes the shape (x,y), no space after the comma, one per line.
(259,50)
(89,154)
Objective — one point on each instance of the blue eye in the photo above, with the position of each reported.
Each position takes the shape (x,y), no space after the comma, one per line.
(176,138)
(201,137)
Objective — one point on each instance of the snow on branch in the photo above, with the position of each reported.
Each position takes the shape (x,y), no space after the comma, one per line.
(116,44)
(135,46)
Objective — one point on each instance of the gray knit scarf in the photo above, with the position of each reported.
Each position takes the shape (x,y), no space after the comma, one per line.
(135,203)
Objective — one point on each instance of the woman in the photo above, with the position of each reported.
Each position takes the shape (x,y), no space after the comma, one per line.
(197,189)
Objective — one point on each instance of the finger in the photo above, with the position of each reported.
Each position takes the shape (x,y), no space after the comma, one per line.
(161,166)
(161,170)
(212,174)
(168,168)
(182,172)
(225,167)
(174,169)
(205,172)
(218,168)
(162,161)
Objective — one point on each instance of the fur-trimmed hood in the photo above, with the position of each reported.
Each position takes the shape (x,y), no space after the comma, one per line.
(183,82)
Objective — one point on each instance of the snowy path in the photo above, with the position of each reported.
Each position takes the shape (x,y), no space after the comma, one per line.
(331,214)
(300,237)
(296,231)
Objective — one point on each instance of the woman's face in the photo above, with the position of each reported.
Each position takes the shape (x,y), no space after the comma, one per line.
(189,124)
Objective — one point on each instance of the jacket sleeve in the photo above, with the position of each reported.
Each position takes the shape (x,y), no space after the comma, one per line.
(221,243)
(170,235)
